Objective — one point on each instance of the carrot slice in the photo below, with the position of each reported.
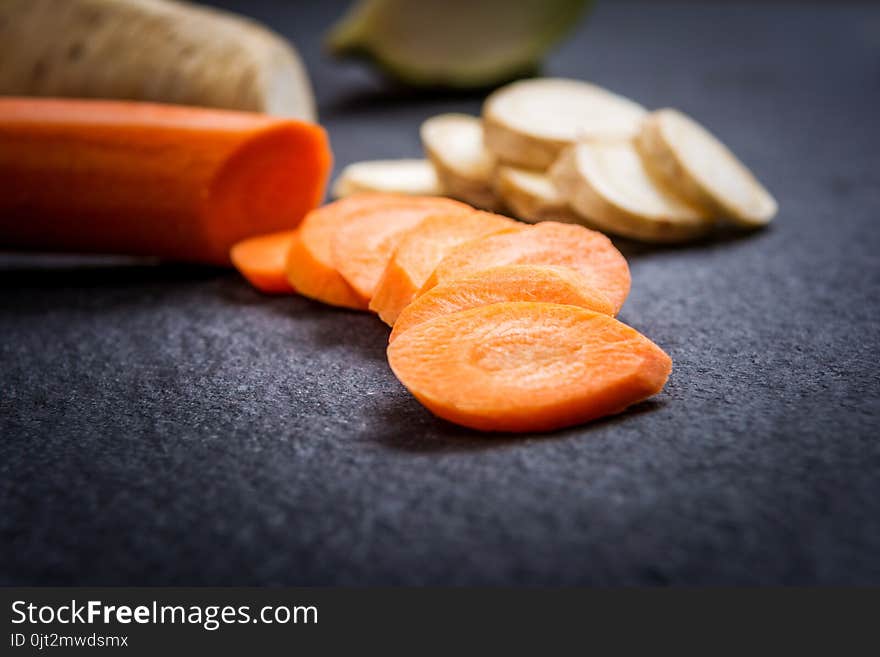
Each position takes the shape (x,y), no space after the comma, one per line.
(499,284)
(182,183)
(310,261)
(586,251)
(524,366)
(421,249)
(262,261)
(362,244)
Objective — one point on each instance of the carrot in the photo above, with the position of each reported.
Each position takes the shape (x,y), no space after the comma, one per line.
(419,252)
(524,366)
(310,267)
(498,284)
(262,261)
(144,179)
(362,245)
(549,243)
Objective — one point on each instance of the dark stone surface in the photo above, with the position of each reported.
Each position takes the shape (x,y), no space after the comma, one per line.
(168,425)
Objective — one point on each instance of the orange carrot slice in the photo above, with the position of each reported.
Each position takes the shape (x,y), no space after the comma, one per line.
(421,249)
(182,183)
(362,244)
(499,284)
(586,251)
(262,261)
(524,366)
(310,261)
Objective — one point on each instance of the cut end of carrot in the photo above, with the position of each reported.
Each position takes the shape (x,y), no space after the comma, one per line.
(524,366)
(500,284)
(269,185)
(262,261)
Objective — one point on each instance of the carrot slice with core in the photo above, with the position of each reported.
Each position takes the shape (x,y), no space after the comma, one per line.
(363,243)
(419,252)
(499,284)
(261,260)
(310,261)
(525,366)
(588,252)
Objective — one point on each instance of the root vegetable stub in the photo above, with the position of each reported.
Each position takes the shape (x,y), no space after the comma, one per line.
(608,184)
(499,284)
(525,366)
(262,261)
(588,252)
(688,158)
(150,50)
(181,183)
(421,249)
(412,177)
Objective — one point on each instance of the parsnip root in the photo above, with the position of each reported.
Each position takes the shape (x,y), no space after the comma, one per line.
(154,50)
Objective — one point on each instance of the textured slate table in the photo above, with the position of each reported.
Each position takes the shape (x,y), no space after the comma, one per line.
(168,425)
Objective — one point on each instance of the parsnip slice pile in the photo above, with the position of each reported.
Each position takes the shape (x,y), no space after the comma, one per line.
(688,158)
(528,123)
(531,195)
(607,182)
(415,177)
(454,144)
(566,150)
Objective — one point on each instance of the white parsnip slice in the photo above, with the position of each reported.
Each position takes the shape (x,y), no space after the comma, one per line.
(685,155)
(454,144)
(607,183)
(528,123)
(531,195)
(416,177)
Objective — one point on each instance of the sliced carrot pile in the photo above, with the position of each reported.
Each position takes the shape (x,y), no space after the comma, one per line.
(182,183)
(262,261)
(362,244)
(586,251)
(310,266)
(421,249)
(524,366)
(499,284)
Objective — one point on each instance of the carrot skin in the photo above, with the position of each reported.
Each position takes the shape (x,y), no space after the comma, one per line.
(176,182)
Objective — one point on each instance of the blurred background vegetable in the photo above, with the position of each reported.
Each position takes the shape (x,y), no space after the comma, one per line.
(454,43)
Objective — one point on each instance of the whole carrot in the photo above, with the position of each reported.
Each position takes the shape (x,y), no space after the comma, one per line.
(181,183)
